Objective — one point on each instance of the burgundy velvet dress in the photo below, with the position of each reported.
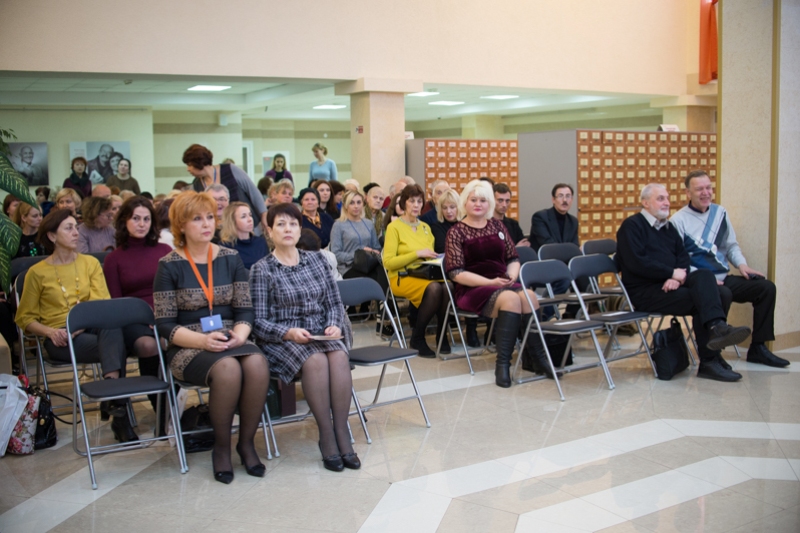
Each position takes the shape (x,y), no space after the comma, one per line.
(486,252)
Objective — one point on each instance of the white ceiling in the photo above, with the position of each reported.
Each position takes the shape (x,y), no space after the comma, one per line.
(278,99)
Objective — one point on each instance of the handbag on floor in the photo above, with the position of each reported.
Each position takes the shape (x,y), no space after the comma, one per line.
(13,402)
(670,354)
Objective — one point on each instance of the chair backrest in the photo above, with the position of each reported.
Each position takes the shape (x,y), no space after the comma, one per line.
(541,272)
(100,256)
(21,264)
(109,314)
(600,246)
(592,266)
(562,251)
(526,254)
(356,291)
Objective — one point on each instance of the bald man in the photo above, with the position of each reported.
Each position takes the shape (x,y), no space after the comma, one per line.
(103,191)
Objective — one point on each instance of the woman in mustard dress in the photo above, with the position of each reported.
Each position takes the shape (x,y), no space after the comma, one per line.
(408,243)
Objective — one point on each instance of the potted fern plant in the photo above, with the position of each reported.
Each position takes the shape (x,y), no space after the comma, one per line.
(12,182)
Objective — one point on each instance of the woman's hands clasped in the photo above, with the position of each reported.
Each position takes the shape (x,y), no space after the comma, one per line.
(426,253)
(218,341)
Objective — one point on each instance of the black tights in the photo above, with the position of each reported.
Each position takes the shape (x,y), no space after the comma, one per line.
(434,302)
(243,382)
(327,386)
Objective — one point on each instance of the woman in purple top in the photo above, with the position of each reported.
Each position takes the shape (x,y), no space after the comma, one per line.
(130,271)
(96,234)
(279,171)
(482,261)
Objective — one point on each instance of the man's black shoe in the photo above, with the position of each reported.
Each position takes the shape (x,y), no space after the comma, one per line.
(714,370)
(724,335)
(724,363)
(758,353)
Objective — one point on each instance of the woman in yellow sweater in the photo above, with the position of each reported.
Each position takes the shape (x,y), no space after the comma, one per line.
(55,285)
(408,243)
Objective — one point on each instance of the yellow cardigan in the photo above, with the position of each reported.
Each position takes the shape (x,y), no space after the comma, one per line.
(42,298)
(401,245)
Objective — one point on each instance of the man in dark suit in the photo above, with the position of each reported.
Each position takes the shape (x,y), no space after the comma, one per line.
(502,201)
(555,225)
(655,270)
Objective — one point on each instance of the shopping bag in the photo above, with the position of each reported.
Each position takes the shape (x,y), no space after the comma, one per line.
(13,401)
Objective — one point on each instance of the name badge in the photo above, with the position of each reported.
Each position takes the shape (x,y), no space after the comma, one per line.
(502,236)
(211,323)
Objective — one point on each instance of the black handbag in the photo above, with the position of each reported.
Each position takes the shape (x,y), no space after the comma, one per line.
(669,351)
(197,418)
(365,262)
(46,435)
(427,271)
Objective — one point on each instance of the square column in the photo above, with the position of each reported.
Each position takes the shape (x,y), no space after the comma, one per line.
(378,123)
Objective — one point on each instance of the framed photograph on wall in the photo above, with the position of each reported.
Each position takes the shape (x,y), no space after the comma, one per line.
(30,160)
(103,157)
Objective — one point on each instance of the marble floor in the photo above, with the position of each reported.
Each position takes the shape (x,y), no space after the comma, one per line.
(684,455)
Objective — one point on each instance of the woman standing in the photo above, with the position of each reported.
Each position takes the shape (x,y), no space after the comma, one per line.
(408,243)
(313,218)
(79,179)
(351,233)
(321,168)
(237,233)
(296,298)
(28,218)
(96,234)
(130,270)
(481,259)
(202,305)
(123,178)
(279,171)
(55,285)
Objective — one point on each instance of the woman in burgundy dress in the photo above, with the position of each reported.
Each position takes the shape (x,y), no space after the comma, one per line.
(482,261)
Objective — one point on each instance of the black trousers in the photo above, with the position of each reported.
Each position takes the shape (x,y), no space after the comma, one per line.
(699,296)
(761,293)
(105,346)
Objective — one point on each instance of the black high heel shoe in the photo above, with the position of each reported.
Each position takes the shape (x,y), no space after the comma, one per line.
(122,429)
(333,463)
(224,477)
(351,461)
(257,470)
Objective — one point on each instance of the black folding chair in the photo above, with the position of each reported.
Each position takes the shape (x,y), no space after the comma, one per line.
(355,292)
(564,252)
(116,314)
(551,271)
(594,266)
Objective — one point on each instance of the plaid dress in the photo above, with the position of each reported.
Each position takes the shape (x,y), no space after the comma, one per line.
(301,296)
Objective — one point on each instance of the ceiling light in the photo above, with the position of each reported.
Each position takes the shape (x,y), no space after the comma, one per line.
(445,102)
(423,93)
(329,106)
(209,88)
(500,97)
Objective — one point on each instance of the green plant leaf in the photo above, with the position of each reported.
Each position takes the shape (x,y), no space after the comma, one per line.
(5,271)
(10,234)
(12,182)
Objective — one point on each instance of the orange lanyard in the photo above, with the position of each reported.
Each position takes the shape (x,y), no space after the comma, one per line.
(209,289)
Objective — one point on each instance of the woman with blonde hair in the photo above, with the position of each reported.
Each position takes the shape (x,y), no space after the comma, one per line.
(237,233)
(28,218)
(202,305)
(321,168)
(68,199)
(482,261)
(352,233)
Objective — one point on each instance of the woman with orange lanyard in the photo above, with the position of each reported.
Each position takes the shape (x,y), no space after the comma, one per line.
(202,304)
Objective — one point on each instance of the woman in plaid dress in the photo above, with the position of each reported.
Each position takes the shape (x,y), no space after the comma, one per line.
(295,298)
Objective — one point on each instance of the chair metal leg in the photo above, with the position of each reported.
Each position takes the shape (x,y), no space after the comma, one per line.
(611,385)
(419,396)
(361,413)
(738,354)
(266,426)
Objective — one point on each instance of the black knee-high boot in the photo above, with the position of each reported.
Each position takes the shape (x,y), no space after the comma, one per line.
(506,328)
(534,357)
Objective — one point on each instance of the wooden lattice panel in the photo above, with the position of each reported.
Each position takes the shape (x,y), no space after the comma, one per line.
(460,161)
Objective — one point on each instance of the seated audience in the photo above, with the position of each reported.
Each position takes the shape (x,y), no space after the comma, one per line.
(437,188)
(28,218)
(655,270)
(163,223)
(43,199)
(96,234)
(555,225)
(482,261)
(374,207)
(317,221)
(352,185)
(281,192)
(217,356)
(408,243)
(237,233)
(129,271)
(101,191)
(123,178)
(502,201)
(10,205)
(53,287)
(350,233)
(79,179)
(711,243)
(309,241)
(393,212)
(69,199)
(124,195)
(295,298)
(116,203)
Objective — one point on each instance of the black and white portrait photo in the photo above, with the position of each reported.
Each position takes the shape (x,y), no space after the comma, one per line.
(30,160)
(103,157)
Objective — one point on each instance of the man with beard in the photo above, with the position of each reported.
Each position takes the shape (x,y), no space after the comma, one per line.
(555,225)
(655,270)
(99,168)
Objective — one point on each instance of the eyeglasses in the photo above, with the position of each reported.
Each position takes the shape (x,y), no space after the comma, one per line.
(563,197)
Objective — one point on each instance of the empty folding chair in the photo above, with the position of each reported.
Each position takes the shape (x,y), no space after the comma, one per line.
(116,314)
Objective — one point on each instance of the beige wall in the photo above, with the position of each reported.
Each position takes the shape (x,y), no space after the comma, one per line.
(614,45)
(60,127)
